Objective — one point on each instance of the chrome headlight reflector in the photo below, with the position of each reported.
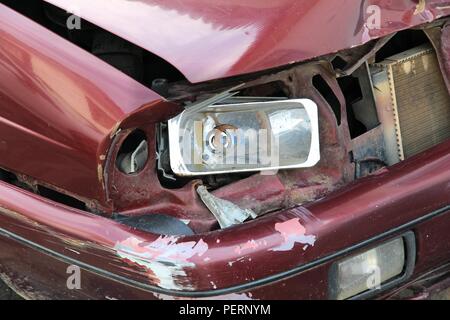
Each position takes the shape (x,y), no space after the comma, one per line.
(254,136)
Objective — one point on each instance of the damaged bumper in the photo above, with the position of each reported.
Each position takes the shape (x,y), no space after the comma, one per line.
(287,255)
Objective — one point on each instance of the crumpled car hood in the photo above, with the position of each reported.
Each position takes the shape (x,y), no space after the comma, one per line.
(211,39)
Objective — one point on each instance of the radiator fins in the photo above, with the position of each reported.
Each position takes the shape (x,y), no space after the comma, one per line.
(413,102)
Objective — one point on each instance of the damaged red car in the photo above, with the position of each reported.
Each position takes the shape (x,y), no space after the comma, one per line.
(285,149)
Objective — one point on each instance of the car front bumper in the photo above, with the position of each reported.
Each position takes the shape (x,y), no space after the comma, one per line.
(284,255)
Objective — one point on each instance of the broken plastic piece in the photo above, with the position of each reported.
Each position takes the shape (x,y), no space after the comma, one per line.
(227,213)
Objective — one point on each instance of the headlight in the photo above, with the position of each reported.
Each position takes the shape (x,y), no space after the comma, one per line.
(368,270)
(256,136)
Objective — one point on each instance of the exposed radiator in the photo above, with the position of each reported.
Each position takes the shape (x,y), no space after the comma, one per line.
(413,102)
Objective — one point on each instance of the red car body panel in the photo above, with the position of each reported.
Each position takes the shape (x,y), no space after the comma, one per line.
(60,106)
(411,195)
(285,254)
(208,40)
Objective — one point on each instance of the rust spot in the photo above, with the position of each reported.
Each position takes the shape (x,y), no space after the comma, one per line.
(115,130)
(100,175)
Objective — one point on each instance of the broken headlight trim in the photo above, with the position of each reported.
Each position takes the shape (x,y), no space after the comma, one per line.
(245,137)
(368,273)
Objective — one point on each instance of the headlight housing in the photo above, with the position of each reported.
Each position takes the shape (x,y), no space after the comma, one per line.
(370,271)
(255,136)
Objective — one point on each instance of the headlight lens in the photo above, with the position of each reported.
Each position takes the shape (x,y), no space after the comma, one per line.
(368,270)
(254,136)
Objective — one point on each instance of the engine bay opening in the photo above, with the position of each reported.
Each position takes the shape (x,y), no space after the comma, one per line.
(61,198)
(31,185)
(322,86)
(361,109)
(401,42)
(139,64)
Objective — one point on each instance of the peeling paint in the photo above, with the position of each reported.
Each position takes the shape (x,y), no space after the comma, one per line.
(428,15)
(293,232)
(115,130)
(249,246)
(365,37)
(231,296)
(165,258)
(420,7)
(100,173)
(185,221)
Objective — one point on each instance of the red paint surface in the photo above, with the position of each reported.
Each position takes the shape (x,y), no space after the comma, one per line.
(52,79)
(210,39)
(59,106)
(398,195)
